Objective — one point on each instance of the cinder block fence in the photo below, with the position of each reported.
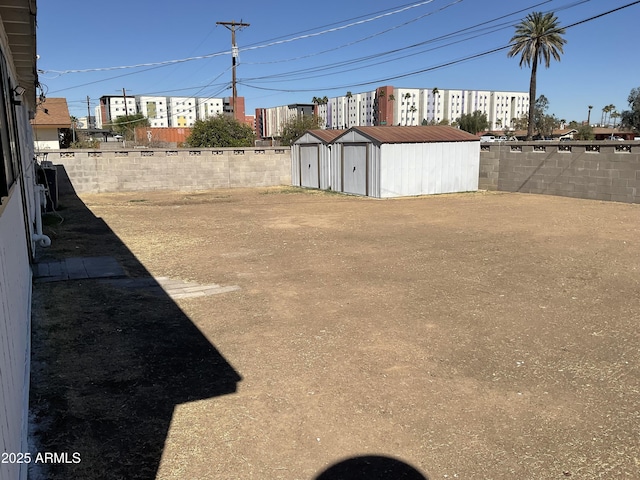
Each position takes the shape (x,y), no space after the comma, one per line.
(94,171)
(594,170)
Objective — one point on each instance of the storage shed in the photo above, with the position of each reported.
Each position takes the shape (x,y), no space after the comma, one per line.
(311,159)
(386,162)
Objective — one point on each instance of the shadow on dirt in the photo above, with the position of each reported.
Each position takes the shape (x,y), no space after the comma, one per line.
(110,363)
(371,467)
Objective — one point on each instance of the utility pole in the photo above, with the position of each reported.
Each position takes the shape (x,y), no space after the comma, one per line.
(126,110)
(88,113)
(233,26)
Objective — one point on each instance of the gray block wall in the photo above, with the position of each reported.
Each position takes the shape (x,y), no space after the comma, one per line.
(594,170)
(92,171)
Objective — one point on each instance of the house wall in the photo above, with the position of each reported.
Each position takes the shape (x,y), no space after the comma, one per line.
(593,170)
(15,312)
(46,138)
(16,224)
(196,169)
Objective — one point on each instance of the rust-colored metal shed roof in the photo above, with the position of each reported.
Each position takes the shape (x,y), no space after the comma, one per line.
(418,134)
(326,136)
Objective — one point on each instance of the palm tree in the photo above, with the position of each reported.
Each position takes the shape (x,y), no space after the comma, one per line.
(603,117)
(615,115)
(435,92)
(537,38)
(612,108)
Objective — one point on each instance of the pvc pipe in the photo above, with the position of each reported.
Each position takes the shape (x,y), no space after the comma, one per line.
(41,201)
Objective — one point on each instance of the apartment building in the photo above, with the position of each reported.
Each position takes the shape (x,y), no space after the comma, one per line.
(506,107)
(389,105)
(112,107)
(163,111)
(155,109)
(269,121)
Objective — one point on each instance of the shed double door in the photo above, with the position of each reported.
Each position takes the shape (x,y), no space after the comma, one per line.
(354,169)
(309,166)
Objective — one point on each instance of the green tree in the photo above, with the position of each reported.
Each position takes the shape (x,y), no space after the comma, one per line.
(585,132)
(521,123)
(543,123)
(631,118)
(296,126)
(615,115)
(473,122)
(221,131)
(126,125)
(537,39)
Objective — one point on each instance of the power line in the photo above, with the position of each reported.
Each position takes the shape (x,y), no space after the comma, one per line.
(216,54)
(436,67)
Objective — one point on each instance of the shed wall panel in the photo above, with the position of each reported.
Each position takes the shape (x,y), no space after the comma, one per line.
(429,168)
(325,166)
(295,165)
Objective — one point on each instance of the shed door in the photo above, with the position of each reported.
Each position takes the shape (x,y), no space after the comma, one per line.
(354,169)
(309,166)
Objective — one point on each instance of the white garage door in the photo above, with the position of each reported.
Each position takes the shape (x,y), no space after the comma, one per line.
(309,166)
(354,169)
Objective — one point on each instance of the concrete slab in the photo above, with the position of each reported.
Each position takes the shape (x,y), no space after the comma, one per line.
(77,268)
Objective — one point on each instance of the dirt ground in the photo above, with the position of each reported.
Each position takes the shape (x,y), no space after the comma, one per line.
(469,336)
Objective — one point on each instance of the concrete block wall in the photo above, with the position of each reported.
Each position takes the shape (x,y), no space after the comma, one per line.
(593,170)
(94,171)
(489,168)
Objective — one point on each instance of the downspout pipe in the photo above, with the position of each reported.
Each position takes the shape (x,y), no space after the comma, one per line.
(41,201)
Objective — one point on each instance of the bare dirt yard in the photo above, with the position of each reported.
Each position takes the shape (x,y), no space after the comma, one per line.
(469,336)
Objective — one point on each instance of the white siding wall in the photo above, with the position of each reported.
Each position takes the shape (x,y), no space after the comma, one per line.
(47,139)
(15,313)
(428,168)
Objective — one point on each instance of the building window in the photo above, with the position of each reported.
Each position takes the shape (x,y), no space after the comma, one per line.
(8,134)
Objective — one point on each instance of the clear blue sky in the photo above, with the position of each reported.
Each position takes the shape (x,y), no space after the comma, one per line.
(293,51)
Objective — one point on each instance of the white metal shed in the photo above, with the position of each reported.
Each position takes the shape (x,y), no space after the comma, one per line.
(311,159)
(386,162)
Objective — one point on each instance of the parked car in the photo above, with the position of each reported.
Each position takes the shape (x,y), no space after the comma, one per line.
(616,138)
(487,138)
(565,139)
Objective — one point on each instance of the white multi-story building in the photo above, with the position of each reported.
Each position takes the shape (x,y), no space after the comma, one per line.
(411,106)
(182,111)
(406,106)
(210,107)
(113,107)
(155,109)
(161,111)
(506,107)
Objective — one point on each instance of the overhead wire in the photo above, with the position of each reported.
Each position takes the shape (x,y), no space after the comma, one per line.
(269,78)
(375,58)
(435,67)
(226,52)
